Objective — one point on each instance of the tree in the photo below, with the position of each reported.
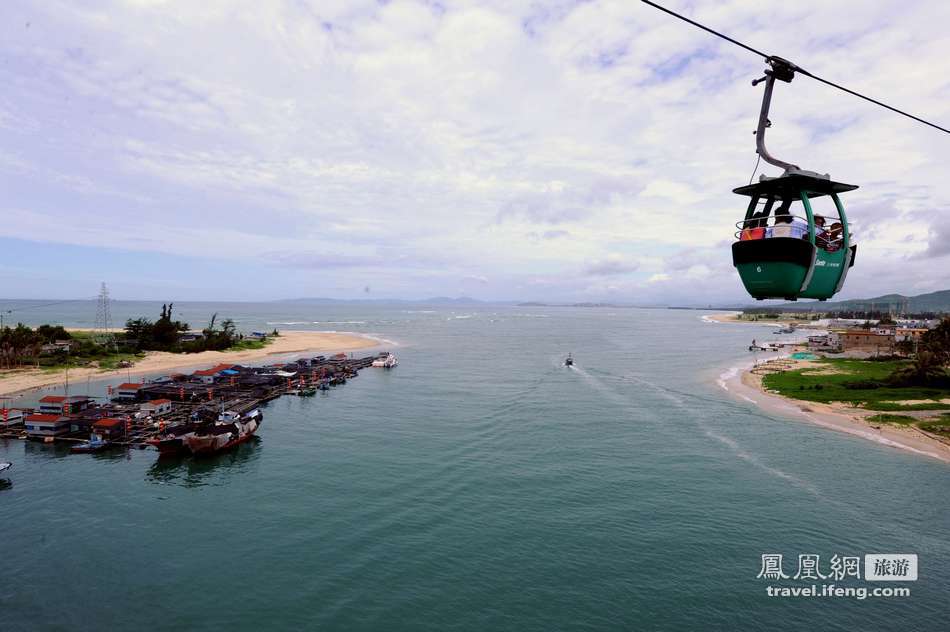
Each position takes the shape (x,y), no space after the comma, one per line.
(162,335)
(937,342)
(924,371)
(139,330)
(228,329)
(52,333)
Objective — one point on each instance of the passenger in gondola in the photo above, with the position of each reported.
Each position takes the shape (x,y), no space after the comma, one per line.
(786,224)
(821,235)
(834,237)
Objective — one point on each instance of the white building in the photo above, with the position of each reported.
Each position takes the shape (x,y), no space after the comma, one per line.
(11,417)
(157,407)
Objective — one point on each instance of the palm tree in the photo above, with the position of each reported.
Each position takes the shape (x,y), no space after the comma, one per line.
(925,369)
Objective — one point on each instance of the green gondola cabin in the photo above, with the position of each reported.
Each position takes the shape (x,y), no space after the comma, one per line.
(786,254)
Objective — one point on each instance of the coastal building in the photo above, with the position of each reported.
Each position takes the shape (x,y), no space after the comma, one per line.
(157,407)
(109,428)
(61,405)
(42,426)
(83,423)
(912,334)
(917,324)
(128,391)
(59,346)
(834,340)
(843,323)
(824,342)
(10,417)
(205,376)
(866,340)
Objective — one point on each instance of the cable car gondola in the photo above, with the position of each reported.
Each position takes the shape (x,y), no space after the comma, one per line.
(775,257)
(783,252)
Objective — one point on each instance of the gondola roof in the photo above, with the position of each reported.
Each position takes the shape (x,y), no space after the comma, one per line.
(792,184)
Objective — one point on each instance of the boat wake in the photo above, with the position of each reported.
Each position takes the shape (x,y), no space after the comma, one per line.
(679,399)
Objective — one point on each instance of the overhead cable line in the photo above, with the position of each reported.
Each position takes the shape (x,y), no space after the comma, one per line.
(796,68)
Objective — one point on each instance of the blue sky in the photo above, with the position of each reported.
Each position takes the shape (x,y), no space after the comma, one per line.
(502,150)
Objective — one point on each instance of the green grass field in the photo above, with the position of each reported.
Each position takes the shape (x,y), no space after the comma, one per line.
(815,385)
(890,418)
(937,425)
(244,345)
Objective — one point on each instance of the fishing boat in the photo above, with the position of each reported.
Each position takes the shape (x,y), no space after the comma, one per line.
(173,440)
(230,430)
(95,444)
(4,466)
(569,361)
(385,361)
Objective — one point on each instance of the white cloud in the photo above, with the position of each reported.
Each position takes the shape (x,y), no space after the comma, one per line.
(540,146)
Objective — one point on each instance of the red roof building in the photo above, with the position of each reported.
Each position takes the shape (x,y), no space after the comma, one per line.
(129,390)
(46,425)
(42,418)
(110,428)
(57,404)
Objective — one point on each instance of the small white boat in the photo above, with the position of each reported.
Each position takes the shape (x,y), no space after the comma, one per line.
(387,361)
(5,466)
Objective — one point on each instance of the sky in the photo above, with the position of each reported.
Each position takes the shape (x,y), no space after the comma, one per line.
(503,150)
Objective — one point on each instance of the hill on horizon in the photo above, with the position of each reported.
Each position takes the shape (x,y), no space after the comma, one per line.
(938,301)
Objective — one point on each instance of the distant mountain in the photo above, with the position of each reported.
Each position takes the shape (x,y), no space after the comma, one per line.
(436,300)
(931,302)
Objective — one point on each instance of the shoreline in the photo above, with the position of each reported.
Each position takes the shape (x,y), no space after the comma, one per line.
(732,318)
(288,342)
(739,381)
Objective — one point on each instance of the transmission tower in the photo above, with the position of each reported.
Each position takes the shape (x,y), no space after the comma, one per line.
(104,335)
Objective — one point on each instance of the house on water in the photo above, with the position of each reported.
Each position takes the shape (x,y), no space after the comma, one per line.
(40,426)
(157,407)
(62,405)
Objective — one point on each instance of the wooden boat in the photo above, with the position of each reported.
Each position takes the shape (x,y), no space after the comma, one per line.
(173,441)
(385,361)
(94,444)
(230,430)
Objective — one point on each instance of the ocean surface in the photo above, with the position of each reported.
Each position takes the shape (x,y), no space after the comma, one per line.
(481,485)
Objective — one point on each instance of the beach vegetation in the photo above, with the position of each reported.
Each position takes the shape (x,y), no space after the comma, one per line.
(890,418)
(863,383)
(166,334)
(939,425)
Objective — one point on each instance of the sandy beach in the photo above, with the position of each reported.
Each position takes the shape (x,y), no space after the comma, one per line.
(743,383)
(157,362)
(733,318)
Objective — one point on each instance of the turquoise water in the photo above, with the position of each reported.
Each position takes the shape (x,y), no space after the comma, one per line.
(480,485)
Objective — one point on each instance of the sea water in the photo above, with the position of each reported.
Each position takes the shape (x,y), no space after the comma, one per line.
(481,485)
